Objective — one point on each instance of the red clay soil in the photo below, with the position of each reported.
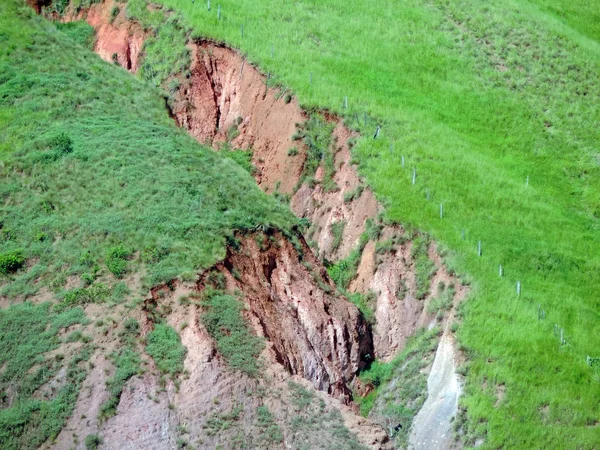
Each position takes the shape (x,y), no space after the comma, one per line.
(117,41)
(226,99)
(312,332)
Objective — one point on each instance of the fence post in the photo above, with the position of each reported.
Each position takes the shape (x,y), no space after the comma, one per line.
(208,5)
(377,132)
(518,288)
(346,102)
(403,162)
(427,195)
(441,208)
(311,78)
(414,177)
(479,248)
(219,12)
(500,271)
(242,30)
(527,181)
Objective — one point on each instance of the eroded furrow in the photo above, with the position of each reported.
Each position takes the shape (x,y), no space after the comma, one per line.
(312,331)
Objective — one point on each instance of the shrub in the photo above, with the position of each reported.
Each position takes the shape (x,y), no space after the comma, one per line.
(114,12)
(337,230)
(116,260)
(165,347)
(92,441)
(224,321)
(11,261)
(61,143)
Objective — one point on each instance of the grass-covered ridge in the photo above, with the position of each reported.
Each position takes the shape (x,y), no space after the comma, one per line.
(477,96)
(95,175)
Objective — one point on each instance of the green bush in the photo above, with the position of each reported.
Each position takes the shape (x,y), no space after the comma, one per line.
(61,143)
(114,12)
(96,293)
(224,321)
(116,260)
(165,347)
(127,363)
(92,441)
(11,261)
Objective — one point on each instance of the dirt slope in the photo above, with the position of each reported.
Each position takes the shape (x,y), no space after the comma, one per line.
(324,340)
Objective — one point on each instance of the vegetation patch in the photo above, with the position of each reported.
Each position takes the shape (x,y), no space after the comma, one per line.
(165,53)
(122,162)
(96,293)
(127,364)
(80,32)
(165,347)
(314,425)
(235,341)
(316,135)
(11,261)
(242,157)
(337,231)
(27,333)
(442,301)
(270,431)
(400,386)
(424,266)
(218,422)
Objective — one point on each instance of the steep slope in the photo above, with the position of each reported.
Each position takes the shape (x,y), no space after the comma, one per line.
(223,101)
(489,110)
(91,167)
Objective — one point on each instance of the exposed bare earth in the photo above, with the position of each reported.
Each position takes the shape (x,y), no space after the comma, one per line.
(315,337)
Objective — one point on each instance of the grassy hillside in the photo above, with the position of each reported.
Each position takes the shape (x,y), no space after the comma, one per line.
(97,184)
(95,176)
(479,97)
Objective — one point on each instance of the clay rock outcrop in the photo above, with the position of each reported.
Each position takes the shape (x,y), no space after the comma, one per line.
(312,331)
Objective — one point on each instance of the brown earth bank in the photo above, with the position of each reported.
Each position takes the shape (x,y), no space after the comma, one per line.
(312,332)
(314,339)
(225,92)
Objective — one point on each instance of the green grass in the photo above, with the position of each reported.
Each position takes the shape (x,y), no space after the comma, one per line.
(424,267)
(476,96)
(165,55)
(315,133)
(27,333)
(165,347)
(80,32)
(91,162)
(313,425)
(400,386)
(235,341)
(127,364)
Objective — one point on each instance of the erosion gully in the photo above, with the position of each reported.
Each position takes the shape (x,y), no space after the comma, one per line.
(312,331)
